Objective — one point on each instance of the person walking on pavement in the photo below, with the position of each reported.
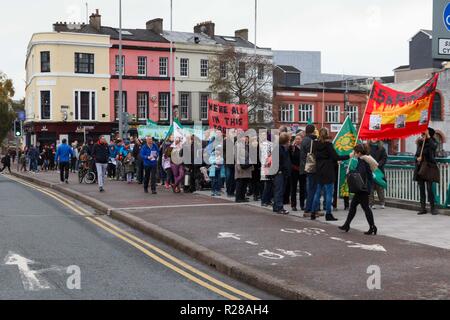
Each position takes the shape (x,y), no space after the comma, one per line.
(6,161)
(33,155)
(100,155)
(311,184)
(378,152)
(63,156)
(426,155)
(364,168)
(150,155)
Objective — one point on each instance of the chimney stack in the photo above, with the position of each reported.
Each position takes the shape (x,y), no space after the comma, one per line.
(207,28)
(243,33)
(60,27)
(95,20)
(155,25)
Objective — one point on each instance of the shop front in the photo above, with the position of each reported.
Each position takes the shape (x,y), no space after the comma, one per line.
(41,134)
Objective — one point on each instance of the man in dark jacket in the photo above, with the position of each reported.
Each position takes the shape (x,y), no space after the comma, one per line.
(139,162)
(311,184)
(297,178)
(378,152)
(6,161)
(100,154)
(284,172)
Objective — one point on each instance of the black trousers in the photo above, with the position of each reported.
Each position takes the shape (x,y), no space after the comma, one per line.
(287,191)
(298,182)
(150,177)
(140,170)
(6,166)
(423,191)
(241,188)
(363,200)
(64,171)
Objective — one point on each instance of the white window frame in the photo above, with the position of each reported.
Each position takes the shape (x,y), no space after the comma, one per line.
(138,105)
(187,107)
(51,105)
(261,72)
(208,95)
(167,95)
(353,113)
(163,63)
(117,66)
(223,70)
(204,63)
(91,119)
(186,67)
(332,113)
(124,102)
(140,67)
(287,113)
(242,70)
(305,115)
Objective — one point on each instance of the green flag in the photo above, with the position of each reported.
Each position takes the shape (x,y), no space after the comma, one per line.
(345,140)
(151,123)
(310,121)
(176,124)
(344,143)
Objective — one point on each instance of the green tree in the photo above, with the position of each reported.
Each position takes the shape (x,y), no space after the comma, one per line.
(7,114)
(6,88)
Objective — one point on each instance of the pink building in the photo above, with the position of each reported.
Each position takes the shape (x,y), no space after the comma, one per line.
(146,81)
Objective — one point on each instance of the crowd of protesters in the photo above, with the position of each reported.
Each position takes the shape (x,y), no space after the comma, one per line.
(192,164)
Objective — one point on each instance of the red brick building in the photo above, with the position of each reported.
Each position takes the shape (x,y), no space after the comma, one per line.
(296,106)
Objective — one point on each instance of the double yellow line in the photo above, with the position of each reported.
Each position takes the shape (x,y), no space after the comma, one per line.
(155,253)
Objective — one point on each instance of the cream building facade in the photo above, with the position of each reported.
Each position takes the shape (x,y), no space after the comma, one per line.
(67,89)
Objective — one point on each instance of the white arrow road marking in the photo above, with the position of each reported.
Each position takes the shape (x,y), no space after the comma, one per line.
(375,247)
(225,235)
(31,279)
(356,245)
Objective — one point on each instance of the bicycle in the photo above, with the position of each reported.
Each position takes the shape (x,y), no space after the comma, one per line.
(86,174)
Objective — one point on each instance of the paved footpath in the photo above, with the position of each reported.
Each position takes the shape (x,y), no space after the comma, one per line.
(312,257)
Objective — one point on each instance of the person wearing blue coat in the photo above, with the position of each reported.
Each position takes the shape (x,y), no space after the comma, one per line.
(63,155)
(150,155)
(216,171)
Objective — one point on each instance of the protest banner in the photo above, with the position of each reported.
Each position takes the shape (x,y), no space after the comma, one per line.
(392,114)
(223,116)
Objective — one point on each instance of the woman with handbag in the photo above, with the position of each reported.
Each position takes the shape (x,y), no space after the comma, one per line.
(427,171)
(362,188)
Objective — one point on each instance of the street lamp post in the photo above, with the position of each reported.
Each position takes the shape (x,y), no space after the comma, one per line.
(120,107)
(171,66)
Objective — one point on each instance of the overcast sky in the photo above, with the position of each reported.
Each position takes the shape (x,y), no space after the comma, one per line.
(362,37)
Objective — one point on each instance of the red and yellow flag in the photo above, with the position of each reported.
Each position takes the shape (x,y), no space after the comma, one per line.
(392,114)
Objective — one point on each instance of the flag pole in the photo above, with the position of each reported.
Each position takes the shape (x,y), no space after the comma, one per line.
(365,112)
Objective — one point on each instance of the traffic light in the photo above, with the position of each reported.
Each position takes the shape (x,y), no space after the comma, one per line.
(17,128)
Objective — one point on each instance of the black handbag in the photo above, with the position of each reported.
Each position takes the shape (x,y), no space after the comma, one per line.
(356,183)
(429,172)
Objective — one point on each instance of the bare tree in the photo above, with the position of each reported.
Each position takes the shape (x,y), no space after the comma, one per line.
(239,77)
